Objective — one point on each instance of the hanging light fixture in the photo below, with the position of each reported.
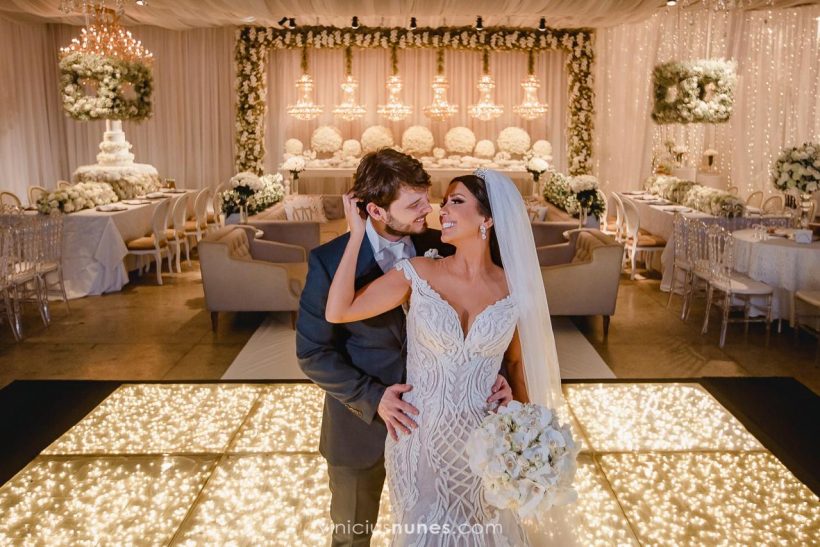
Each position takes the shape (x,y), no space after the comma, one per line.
(305,109)
(394,110)
(89,7)
(440,109)
(349,109)
(530,108)
(486,109)
(104,36)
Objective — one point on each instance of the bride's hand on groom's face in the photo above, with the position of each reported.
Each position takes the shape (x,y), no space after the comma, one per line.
(502,392)
(353,214)
(395,412)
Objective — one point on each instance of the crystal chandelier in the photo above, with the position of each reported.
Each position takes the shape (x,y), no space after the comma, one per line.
(530,108)
(440,109)
(486,109)
(305,109)
(88,7)
(349,109)
(394,110)
(104,36)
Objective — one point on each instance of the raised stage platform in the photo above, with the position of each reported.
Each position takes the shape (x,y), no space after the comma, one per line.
(713,461)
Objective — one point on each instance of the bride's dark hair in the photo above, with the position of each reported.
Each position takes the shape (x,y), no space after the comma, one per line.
(478,188)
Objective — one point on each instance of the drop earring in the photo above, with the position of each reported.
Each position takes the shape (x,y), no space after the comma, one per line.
(483,231)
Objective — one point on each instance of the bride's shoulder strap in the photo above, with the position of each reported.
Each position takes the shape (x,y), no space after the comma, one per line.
(406,266)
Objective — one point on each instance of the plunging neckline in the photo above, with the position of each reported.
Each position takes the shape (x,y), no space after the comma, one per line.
(464,337)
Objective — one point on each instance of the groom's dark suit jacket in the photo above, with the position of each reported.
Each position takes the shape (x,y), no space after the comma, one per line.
(353,362)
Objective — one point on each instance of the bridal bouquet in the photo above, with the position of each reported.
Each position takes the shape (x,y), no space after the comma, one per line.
(525,458)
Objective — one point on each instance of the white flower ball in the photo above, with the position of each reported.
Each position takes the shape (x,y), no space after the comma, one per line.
(484,149)
(351,148)
(417,140)
(542,148)
(294,147)
(460,140)
(326,139)
(514,140)
(439,153)
(376,137)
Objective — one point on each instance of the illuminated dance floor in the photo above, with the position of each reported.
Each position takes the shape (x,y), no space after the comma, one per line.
(238,463)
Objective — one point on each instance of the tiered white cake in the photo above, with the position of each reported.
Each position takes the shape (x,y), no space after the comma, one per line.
(115,165)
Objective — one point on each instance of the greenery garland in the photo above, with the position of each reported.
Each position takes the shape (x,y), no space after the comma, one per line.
(253,43)
(109,74)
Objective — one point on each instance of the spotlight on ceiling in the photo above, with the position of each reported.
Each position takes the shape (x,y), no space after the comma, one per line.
(142,2)
(282,22)
(354,22)
(671,3)
(413,25)
(291,22)
(479,23)
(542,24)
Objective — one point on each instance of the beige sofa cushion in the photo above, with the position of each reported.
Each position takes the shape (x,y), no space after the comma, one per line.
(585,245)
(305,208)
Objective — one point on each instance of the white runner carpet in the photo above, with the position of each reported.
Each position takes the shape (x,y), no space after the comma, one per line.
(270,354)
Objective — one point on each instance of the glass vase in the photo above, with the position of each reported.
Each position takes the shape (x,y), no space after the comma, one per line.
(582,217)
(805,210)
(294,183)
(243,214)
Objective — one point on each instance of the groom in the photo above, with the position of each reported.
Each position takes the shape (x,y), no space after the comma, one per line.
(361,365)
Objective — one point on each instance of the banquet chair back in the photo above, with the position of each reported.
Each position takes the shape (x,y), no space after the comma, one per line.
(155,244)
(773,204)
(197,226)
(35,193)
(620,218)
(176,233)
(733,190)
(755,199)
(10,200)
(7,289)
(720,253)
(26,257)
(698,248)
(638,241)
(61,184)
(51,266)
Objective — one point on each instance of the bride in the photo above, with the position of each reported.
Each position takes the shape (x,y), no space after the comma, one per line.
(468,314)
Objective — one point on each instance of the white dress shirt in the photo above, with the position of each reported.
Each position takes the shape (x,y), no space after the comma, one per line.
(387,252)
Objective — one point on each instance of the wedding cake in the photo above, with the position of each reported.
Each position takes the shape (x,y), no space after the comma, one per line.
(115,165)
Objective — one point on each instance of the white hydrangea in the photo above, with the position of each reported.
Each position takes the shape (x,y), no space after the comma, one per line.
(537,164)
(247,179)
(326,139)
(294,147)
(417,140)
(514,140)
(376,137)
(583,183)
(351,148)
(439,153)
(484,149)
(542,148)
(460,140)
(294,164)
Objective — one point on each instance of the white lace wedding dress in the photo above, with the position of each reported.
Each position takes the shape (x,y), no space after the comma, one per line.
(436,499)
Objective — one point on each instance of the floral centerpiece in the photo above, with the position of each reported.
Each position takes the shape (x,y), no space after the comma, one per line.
(543,149)
(797,169)
(514,140)
(714,202)
(484,149)
(585,188)
(295,165)
(460,140)
(293,147)
(417,140)
(77,197)
(557,190)
(536,166)
(694,92)
(326,139)
(351,148)
(376,137)
(526,459)
(250,194)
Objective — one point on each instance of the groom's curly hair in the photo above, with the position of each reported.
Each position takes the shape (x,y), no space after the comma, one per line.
(382,173)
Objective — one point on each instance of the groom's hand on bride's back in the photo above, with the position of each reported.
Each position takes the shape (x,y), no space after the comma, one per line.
(395,412)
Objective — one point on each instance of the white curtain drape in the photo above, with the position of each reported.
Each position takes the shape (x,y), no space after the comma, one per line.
(189,137)
(417,67)
(777,98)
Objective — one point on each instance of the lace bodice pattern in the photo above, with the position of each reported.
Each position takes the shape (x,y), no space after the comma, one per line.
(452,374)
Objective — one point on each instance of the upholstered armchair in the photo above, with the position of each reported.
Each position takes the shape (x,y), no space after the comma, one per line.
(241,273)
(551,232)
(306,226)
(581,276)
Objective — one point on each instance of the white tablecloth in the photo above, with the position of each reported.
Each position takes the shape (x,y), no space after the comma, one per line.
(94,247)
(781,263)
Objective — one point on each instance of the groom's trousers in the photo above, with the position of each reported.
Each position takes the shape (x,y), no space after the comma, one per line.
(354,503)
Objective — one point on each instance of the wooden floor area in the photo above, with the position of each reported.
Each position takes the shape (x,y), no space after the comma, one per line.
(151,332)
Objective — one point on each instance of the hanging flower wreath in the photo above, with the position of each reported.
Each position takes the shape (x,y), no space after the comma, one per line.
(253,43)
(123,88)
(695,92)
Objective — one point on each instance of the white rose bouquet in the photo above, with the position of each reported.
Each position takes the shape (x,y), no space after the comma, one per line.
(536,167)
(798,168)
(77,197)
(295,165)
(525,458)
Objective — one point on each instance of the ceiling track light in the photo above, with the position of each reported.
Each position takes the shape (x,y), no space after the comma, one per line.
(142,2)
(671,3)
(354,23)
(291,22)
(542,24)
(413,25)
(282,22)
(479,23)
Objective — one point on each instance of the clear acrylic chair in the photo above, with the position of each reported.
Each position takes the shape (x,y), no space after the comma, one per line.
(682,262)
(700,274)
(773,204)
(50,268)
(755,199)
(732,285)
(7,289)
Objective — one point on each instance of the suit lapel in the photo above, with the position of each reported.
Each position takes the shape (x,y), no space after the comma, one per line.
(367,271)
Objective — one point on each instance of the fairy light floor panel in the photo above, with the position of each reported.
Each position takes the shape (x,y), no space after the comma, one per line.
(197,464)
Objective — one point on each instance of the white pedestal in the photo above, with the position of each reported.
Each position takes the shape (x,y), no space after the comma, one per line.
(685,173)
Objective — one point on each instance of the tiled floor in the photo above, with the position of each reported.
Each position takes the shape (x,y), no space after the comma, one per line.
(151,332)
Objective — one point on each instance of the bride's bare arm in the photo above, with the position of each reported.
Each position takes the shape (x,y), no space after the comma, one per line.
(515,370)
(344,303)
